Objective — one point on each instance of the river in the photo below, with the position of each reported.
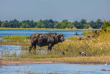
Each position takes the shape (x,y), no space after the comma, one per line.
(56,68)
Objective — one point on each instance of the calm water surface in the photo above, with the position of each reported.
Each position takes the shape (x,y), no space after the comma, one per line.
(30,32)
(58,68)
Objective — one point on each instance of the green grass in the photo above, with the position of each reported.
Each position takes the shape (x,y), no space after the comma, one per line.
(16,37)
(24,41)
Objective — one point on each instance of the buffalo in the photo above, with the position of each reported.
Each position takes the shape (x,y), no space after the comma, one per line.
(45,39)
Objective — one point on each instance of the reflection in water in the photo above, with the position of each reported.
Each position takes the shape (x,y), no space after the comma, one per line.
(59,68)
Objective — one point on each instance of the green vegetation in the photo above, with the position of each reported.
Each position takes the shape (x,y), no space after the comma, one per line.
(16,37)
(106,26)
(82,24)
(16,40)
(1,28)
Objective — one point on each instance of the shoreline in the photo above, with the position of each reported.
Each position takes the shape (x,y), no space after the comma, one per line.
(74,60)
(13,62)
(67,29)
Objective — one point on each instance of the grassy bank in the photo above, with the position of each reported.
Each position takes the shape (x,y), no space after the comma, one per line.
(1,28)
(79,60)
(96,48)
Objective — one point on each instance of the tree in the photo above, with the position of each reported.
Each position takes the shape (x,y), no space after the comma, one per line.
(32,24)
(83,21)
(57,25)
(4,24)
(69,25)
(14,24)
(25,25)
(39,24)
(92,24)
(76,24)
(64,24)
(98,23)
(48,23)
(52,24)
(85,26)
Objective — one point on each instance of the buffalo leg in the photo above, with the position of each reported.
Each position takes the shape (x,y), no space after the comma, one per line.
(34,48)
(49,47)
(30,48)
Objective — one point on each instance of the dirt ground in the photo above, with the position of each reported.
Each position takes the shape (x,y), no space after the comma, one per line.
(8,62)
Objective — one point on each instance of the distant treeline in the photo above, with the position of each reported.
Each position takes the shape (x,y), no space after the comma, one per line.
(82,24)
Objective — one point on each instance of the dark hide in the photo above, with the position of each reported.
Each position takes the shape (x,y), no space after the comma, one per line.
(45,39)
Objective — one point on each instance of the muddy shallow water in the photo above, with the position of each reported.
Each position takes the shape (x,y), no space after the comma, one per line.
(59,68)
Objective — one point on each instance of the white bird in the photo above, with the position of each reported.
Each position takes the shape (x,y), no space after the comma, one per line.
(82,53)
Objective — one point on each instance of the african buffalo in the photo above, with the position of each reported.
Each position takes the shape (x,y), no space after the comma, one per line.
(45,39)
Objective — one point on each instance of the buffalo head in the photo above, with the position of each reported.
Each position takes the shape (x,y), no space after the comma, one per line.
(60,37)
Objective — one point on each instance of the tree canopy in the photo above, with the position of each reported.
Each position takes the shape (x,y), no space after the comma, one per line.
(82,24)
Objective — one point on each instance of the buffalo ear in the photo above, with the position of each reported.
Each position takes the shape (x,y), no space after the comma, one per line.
(59,35)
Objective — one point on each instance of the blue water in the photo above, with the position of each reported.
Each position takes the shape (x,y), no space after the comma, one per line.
(57,68)
(30,32)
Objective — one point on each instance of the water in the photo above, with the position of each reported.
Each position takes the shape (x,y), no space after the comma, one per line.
(30,32)
(59,68)
(10,49)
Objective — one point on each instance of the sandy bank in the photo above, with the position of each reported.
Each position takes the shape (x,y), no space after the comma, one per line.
(13,62)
